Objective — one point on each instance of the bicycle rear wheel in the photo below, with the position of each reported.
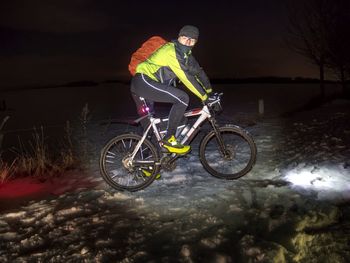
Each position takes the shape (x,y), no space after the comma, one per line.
(238,158)
(120,172)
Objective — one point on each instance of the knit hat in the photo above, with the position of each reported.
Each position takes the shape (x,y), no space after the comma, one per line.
(189,31)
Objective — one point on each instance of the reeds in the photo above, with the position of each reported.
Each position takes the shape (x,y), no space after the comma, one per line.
(6,170)
(37,158)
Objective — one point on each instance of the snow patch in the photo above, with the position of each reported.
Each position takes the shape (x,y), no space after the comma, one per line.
(176,178)
(69,211)
(116,197)
(48,219)
(15,215)
(9,236)
(32,242)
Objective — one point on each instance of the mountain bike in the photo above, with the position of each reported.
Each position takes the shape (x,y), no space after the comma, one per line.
(131,162)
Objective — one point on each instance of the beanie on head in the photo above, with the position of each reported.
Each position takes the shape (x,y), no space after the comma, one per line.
(189,31)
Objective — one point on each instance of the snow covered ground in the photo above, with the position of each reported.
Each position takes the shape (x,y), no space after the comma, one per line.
(294,206)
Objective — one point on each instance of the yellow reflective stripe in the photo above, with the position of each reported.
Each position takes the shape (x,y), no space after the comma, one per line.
(209,90)
(175,66)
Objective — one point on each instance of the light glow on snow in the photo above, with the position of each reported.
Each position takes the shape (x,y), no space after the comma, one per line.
(329,182)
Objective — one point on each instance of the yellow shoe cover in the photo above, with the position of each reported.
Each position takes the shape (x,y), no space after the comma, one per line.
(148,174)
(173,146)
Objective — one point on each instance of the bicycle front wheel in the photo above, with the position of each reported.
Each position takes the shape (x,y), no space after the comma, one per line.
(121,171)
(235,160)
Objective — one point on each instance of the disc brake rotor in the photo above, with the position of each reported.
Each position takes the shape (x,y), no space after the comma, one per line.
(229,152)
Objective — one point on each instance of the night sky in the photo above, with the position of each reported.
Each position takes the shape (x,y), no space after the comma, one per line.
(58,41)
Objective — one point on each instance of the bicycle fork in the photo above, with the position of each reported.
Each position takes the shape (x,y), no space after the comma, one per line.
(219,138)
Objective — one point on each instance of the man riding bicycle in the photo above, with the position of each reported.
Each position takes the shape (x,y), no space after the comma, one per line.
(156,77)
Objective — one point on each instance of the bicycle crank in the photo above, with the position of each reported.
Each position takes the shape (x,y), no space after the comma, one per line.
(168,163)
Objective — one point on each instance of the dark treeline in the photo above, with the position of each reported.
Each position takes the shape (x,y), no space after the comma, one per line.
(319,30)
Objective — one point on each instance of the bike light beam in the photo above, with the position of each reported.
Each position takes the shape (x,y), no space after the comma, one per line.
(329,182)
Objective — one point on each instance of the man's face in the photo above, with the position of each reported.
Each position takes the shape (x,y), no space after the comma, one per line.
(187,41)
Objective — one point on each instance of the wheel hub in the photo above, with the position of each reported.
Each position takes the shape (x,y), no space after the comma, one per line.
(229,153)
(127,163)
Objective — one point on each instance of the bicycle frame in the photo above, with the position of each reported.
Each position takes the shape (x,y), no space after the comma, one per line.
(203,113)
(132,161)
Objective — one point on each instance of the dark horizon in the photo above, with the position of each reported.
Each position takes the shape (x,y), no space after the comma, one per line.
(47,44)
(214,81)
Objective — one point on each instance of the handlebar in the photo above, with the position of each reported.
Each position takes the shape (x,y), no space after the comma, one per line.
(214,97)
(213,101)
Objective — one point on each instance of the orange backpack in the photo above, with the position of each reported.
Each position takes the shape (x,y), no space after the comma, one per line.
(145,51)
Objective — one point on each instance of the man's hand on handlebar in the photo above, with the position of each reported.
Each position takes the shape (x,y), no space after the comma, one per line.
(212,97)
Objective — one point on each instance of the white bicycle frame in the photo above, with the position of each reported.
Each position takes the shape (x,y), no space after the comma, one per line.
(203,114)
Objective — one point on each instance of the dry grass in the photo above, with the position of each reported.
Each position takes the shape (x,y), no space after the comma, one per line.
(69,159)
(35,158)
(6,171)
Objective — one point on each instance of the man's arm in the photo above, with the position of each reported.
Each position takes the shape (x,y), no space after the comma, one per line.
(199,73)
(183,72)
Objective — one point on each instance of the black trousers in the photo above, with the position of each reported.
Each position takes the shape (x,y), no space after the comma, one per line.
(154,91)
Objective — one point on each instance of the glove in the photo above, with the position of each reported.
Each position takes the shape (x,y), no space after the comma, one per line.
(208,91)
(212,97)
(205,101)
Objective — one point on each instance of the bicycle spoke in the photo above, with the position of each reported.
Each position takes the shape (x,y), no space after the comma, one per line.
(141,152)
(123,144)
(125,173)
(110,155)
(237,158)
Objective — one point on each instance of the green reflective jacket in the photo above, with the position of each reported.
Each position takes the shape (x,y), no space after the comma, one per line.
(170,62)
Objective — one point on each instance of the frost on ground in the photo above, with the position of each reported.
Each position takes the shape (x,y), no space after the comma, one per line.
(292,207)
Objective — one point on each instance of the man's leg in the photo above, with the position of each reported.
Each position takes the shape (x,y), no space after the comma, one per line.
(158,92)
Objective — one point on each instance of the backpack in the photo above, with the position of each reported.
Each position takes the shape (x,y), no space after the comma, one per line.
(145,51)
